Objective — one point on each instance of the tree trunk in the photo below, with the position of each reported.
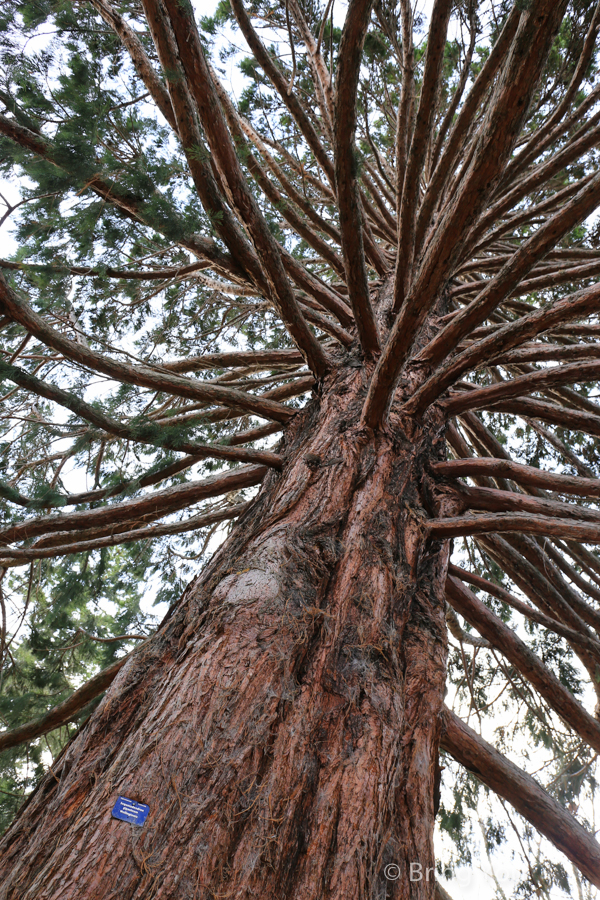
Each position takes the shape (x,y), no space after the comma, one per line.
(283,724)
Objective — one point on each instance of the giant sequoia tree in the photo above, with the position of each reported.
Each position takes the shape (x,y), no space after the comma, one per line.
(353,309)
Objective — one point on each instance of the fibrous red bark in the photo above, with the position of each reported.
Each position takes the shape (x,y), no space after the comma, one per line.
(283,724)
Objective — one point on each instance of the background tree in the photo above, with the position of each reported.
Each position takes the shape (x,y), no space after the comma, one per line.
(363,291)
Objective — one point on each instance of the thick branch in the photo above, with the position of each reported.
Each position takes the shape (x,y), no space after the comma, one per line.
(407,98)
(289,97)
(279,202)
(577,639)
(213,121)
(542,352)
(18,310)
(139,57)
(462,526)
(144,433)
(155,505)
(556,276)
(548,412)
(207,178)
(264,359)
(494,500)
(548,481)
(436,42)
(351,224)
(460,87)
(505,338)
(495,142)
(65,711)
(194,523)
(575,373)
(522,792)
(531,570)
(580,144)
(500,287)
(544,136)
(524,660)
(463,122)
(320,75)
(489,153)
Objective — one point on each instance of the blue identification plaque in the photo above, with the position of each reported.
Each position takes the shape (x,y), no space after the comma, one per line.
(130,811)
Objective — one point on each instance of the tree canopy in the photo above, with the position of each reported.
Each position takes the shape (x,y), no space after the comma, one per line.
(215,213)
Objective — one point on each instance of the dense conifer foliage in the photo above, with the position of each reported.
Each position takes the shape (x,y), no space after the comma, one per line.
(318,282)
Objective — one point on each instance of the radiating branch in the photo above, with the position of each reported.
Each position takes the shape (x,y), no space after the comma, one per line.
(18,557)
(66,711)
(417,154)
(282,87)
(351,222)
(144,509)
(522,792)
(462,526)
(145,432)
(222,147)
(527,475)
(525,661)
(20,311)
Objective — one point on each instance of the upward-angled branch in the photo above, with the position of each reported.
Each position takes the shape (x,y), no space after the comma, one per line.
(458,93)
(351,224)
(223,150)
(287,210)
(542,138)
(421,139)
(491,145)
(145,432)
(152,506)
(532,250)
(522,792)
(581,142)
(320,75)
(460,129)
(407,99)
(494,142)
(139,57)
(66,711)
(528,475)
(579,372)
(289,97)
(206,180)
